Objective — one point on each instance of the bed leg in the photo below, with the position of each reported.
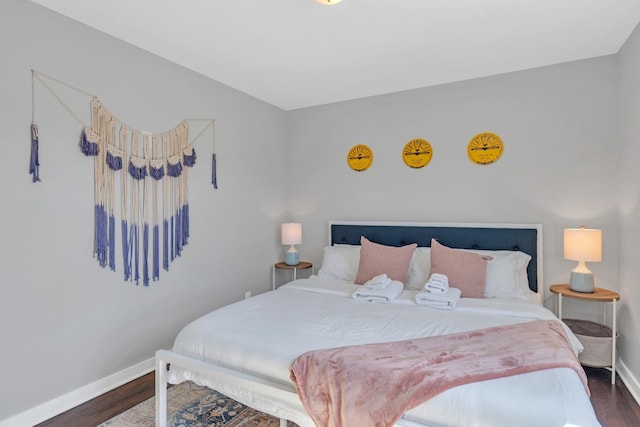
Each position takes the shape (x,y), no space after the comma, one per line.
(161,392)
(283,422)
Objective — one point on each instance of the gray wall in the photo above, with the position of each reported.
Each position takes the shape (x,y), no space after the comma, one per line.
(629,204)
(559,167)
(65,322)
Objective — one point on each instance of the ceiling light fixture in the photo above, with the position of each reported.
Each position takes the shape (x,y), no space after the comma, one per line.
(328,2)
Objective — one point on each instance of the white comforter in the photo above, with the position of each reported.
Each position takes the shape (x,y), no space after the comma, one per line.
(263,335)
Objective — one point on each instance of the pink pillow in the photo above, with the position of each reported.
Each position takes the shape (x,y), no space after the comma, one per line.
(466,271)
(378,259)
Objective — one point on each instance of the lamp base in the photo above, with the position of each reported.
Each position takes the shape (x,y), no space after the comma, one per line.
(581,282)
(292,258)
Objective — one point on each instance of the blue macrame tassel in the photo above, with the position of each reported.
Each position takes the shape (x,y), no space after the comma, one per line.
(214,174)
(165,243)
(178,240)
(88,147)
(112,242)
(189,160)
(145,253)
(34,161)
(114,162)
(156,252)
(174,170)
(137,172)
(185,224)
(125,250)
(101,235)
(156,173)
(134,246)
(173,240)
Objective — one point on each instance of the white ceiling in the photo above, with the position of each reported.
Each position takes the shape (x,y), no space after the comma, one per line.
(298,53)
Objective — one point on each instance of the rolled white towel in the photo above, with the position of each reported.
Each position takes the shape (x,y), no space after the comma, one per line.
(378,282)
(388,294)
(444,301)
(437,283)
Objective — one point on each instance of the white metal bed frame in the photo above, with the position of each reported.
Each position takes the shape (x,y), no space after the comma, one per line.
(164,358)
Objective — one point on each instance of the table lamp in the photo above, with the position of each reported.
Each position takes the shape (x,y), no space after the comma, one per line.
(291,234)
(582,245)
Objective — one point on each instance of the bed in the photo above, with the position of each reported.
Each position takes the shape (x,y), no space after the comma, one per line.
(246,350)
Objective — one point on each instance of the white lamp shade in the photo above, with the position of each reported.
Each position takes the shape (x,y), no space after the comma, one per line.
(583,244)
(291,233)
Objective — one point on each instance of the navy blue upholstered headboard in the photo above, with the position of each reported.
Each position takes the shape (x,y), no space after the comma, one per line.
(515,237)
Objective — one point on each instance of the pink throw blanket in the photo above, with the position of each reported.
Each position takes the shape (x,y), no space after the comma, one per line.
(374,384)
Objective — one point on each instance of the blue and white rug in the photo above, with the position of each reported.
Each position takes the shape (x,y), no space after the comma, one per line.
(190,405)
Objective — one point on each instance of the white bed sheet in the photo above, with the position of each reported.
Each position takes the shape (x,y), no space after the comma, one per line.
(263,335)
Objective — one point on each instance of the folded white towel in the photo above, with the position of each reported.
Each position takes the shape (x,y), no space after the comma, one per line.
(437,283)
(378,282)
(389,293)
(445,301)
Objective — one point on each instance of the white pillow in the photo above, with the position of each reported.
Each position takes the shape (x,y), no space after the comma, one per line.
(340,262)
(419,268)
(506,274)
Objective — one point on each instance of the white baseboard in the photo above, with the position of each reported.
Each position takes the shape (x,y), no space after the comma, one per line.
(629,380)
(77,397)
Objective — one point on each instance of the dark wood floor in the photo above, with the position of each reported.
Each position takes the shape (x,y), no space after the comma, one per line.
(106,406)
(614,405)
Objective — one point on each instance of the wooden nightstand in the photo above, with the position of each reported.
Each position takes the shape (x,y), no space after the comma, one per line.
(598,295)
(303,265)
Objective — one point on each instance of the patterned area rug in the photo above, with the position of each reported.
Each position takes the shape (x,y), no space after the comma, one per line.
(194,406)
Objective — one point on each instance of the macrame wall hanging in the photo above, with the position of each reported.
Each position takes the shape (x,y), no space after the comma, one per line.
(139,175)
